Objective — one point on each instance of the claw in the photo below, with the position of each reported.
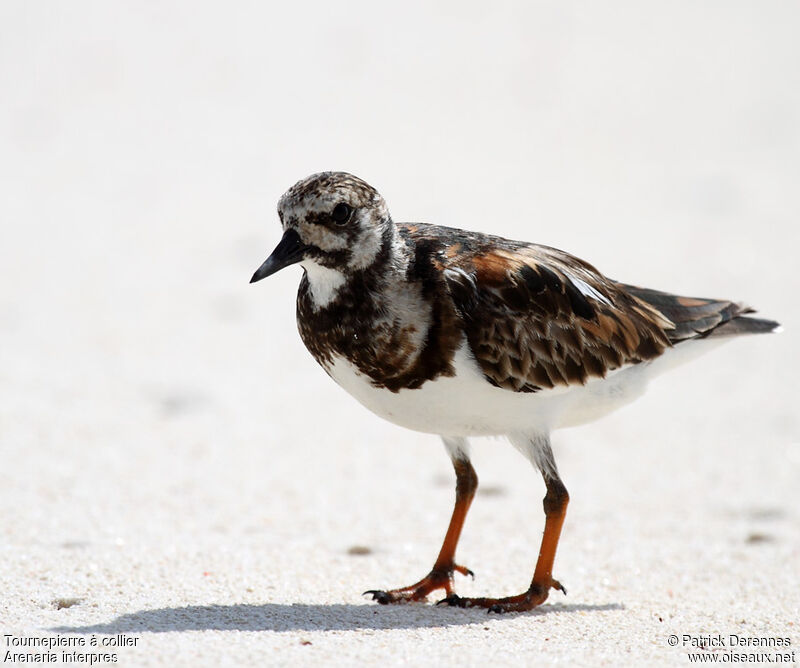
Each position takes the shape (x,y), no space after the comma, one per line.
(454,600)
(439,578)
(464,571)
(377,595)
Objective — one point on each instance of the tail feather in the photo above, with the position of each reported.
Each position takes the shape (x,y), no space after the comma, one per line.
(695,317)
(746,326)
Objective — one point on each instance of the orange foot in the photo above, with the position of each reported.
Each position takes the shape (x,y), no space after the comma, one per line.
(438,578)
(535,596)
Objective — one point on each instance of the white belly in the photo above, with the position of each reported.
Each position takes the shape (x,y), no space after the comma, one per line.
(468,405)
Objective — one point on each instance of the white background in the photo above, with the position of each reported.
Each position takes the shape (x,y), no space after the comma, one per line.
(166,441)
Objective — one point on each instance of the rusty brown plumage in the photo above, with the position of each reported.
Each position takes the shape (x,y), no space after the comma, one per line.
(536,317)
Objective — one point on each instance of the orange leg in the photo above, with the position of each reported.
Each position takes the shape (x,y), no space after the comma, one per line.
(441,575)
(555,509)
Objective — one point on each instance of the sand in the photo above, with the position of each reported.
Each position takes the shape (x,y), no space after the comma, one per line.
(181,484)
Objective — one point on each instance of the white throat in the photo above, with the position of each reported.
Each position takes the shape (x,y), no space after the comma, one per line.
(323,283)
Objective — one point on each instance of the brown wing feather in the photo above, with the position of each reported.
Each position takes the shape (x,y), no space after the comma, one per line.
(695,317)
(536,317)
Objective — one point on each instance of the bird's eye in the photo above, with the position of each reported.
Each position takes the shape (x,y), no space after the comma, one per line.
(341,213)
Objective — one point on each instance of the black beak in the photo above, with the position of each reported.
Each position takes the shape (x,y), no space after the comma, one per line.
(289,251)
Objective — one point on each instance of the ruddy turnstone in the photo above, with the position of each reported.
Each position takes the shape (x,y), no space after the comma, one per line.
(464,334)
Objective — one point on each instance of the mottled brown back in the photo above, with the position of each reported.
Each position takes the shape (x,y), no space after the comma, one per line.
(536,317)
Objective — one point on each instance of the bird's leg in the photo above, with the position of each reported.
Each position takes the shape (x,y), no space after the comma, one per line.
(441,575)
(555,510)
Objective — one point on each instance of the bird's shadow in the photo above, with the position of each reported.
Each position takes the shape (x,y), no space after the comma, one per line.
(282,617)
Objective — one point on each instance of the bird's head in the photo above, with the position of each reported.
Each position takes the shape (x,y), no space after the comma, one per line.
(332,222)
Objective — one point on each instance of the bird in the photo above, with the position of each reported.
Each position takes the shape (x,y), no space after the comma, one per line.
(463,334)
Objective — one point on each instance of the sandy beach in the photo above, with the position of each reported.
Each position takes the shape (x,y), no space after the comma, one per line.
(182,485)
